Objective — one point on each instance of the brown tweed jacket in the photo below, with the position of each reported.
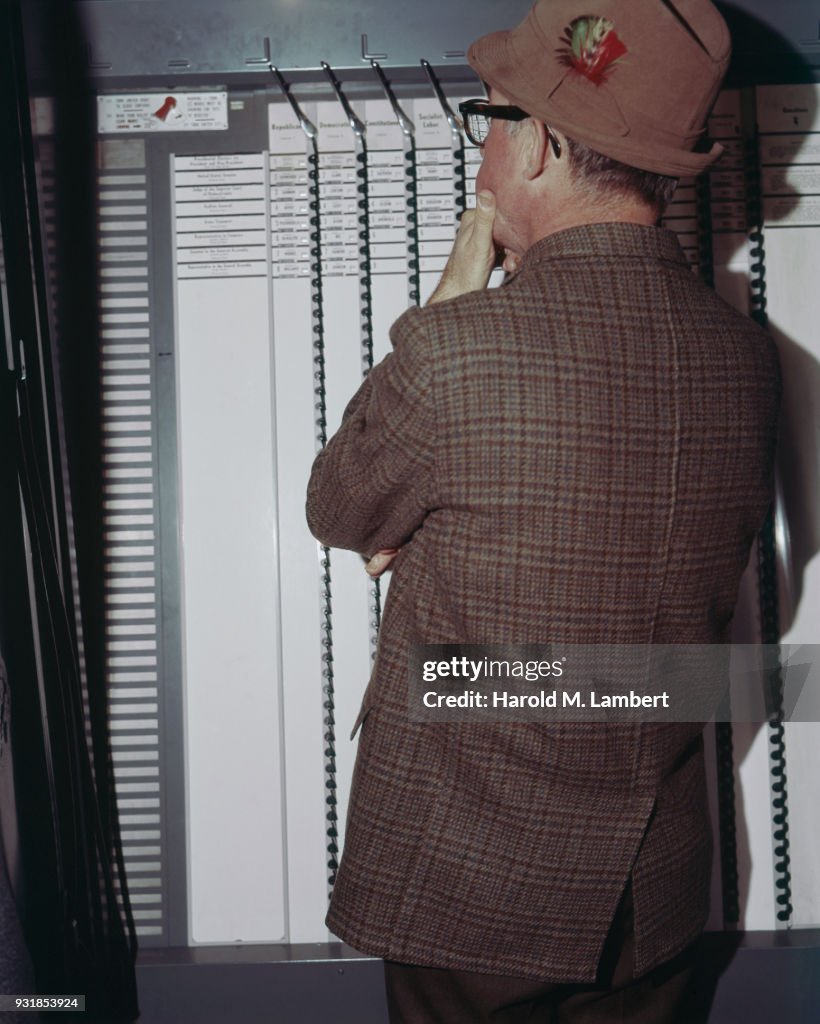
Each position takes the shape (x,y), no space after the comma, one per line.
(581,456)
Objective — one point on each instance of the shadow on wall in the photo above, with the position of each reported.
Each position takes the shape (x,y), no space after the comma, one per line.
(762,56)
(798,460)
(798,465)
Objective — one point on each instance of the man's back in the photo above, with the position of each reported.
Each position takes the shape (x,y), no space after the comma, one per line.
(578,493)
(550,452)
(582,456)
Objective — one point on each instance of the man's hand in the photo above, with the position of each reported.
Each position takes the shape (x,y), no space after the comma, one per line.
(512,262)
(381,561)
(473,255)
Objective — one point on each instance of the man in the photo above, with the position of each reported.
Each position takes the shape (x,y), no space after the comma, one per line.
(583,455)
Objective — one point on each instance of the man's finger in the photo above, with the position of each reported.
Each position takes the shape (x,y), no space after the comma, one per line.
(512,262)
(483,218)
(473,255)
(380,562)
(466,223)
(484,223)
(485,206)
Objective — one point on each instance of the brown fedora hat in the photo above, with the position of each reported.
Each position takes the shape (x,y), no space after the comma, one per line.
(632,79)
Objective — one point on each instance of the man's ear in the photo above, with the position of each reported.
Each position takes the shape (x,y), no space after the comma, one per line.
(535,147)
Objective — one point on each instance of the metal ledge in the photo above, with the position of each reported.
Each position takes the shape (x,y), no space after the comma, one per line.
(754,977)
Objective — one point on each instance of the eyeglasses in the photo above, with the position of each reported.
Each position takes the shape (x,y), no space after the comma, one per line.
(477,114)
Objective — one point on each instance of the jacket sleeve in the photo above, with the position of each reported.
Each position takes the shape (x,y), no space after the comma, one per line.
(372,485)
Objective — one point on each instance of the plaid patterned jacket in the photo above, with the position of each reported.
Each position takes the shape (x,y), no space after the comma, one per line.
(581,456)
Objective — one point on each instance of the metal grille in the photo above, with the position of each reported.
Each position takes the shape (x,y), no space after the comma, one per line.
(130,523)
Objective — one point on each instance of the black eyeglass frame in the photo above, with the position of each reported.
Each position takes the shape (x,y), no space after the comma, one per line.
(507,112)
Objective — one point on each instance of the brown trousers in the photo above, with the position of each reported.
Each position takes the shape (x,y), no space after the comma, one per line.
(427,995)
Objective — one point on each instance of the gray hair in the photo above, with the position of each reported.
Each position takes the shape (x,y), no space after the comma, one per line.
(603,178)
(606,177)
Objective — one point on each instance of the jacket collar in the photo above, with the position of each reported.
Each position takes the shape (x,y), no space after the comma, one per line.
(611,239)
